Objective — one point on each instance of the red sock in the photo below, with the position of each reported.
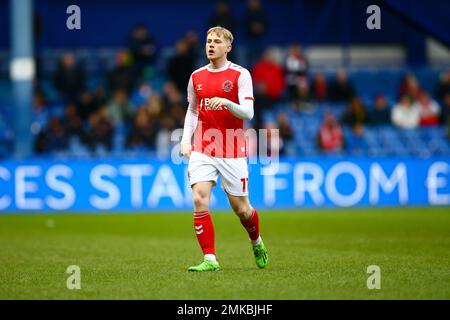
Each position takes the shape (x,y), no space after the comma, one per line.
(204,229)
(252,225)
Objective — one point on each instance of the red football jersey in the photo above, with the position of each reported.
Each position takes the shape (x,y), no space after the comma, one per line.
(219,133)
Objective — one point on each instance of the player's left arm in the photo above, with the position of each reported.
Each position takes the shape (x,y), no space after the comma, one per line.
(243,110)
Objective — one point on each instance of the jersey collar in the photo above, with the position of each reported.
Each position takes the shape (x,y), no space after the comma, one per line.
(225,66)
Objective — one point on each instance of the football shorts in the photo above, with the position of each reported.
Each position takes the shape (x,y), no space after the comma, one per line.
(233,172)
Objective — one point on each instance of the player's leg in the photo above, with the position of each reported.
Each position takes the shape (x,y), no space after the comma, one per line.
(202,177)
(234,177)
(203,225)
(250,221)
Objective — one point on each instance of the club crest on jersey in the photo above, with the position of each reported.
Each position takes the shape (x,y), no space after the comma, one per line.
(227,86)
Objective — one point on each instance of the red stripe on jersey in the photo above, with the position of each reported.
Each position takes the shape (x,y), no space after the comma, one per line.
(249,98)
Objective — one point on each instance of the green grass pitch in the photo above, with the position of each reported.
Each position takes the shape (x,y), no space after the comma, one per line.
(316,254)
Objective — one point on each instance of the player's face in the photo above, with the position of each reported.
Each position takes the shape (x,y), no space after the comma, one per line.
(216,47)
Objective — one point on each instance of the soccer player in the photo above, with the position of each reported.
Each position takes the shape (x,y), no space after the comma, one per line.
(220,97)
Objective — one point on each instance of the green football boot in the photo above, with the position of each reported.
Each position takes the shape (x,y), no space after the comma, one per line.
(206,265)
(261,256)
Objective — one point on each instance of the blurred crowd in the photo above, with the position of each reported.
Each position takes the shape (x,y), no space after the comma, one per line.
(127,113)
(414,108)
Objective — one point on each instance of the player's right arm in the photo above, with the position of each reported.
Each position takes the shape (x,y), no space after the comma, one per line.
(190,121)
(243,110)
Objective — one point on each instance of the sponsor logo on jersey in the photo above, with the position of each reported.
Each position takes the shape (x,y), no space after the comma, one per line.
(204,104)
(227,86)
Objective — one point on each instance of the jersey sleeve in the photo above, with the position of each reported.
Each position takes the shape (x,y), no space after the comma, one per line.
(245,87)
(191,95)
(191,118)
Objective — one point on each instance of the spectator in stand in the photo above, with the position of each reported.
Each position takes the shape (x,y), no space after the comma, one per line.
(355,113)
(154,106)
(268,74)
(171,95)
(286,132)
(164,143)
(341,89)
(100,130)
(256,23)
(320,87)
(143,132)
(40,143)
(222,17)
(72,122)
(90,101)
(355,143)
(142,46)
(380,113)
(409,86)
(120,109)
(146,125)
(296,69)
(331,138)
(181,65)
(178,114)
(69,78)
(443,87)
(268,80)
(57,135)
(302,100)
(404,115)
(429,110)
(53,138)
(194,48)
(123,76)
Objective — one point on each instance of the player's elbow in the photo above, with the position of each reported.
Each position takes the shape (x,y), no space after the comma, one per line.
(249,115)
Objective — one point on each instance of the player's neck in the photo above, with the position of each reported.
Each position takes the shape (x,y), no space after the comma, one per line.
(219,63)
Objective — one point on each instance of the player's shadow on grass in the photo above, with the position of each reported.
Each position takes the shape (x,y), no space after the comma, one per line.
(232,269)
(246,269)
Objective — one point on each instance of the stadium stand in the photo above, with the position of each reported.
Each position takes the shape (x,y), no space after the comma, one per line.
(384,140)
(373,68)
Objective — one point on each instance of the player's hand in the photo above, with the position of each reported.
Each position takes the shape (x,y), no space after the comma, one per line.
(217,102)
(185,150)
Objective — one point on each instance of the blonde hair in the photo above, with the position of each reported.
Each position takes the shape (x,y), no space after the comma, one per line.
(221,32)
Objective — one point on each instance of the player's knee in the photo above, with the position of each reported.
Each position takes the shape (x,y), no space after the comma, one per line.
(201,199)
(243,210)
